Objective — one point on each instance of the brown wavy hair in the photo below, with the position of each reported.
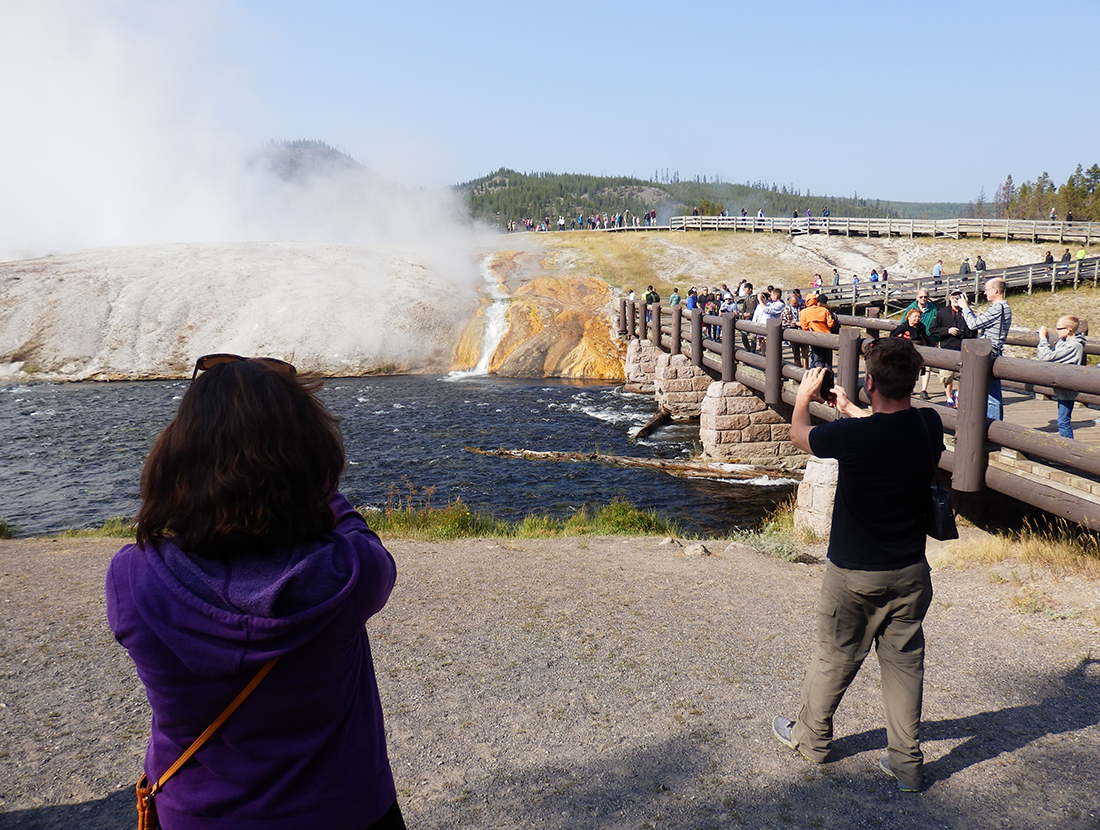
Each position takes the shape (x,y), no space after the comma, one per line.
(248,463)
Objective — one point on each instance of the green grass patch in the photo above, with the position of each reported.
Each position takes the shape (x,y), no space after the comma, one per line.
(7,529)
(118,527)
(457,521)
(777,535)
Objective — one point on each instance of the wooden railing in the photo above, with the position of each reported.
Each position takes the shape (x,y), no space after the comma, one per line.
(676,330)
(898,292)
(1007,229)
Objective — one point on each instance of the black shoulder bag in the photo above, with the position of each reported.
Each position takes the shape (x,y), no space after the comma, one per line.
(941,517)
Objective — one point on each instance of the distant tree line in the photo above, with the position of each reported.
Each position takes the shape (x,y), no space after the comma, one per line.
(508,195)
(1078,198)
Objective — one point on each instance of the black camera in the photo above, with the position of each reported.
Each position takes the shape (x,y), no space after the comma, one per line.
(826,390)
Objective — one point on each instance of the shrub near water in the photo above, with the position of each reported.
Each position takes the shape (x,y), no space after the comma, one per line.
(457,521)
(118,527)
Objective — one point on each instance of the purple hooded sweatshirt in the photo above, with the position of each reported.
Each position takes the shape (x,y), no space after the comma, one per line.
(307,748)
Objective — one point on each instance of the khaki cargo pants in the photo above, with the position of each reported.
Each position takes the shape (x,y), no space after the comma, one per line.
(856,609)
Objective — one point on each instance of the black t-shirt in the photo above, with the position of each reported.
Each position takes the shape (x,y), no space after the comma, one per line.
(886,463)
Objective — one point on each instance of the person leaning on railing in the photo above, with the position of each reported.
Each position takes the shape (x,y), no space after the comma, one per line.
(993,324)
(950,328)
(817,317)
(789,319)
(927,310)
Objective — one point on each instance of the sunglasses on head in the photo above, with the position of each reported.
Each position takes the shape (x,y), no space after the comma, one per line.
(209,361)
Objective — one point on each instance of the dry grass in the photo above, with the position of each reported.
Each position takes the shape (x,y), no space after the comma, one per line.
(1065,551)
(622,260)
(665,259)
(1043,308)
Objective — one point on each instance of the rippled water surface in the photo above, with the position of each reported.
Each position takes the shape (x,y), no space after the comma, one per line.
(72,453)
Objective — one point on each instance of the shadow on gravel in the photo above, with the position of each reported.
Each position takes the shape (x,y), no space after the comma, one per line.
(1075,705)
(115,812)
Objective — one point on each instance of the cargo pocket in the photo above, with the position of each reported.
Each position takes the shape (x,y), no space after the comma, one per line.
(827,624)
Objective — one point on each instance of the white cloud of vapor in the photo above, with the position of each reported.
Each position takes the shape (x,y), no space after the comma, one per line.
(123,127)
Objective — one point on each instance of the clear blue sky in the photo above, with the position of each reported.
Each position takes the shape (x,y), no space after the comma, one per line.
(905,101)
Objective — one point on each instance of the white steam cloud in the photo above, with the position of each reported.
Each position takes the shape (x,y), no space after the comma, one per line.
(120,131)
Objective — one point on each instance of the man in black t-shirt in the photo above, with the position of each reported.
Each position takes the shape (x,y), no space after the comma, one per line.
(877,586)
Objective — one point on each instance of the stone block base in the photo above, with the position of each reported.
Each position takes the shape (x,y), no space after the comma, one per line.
(641,363)
(679,386)
(816,493)
(736,425)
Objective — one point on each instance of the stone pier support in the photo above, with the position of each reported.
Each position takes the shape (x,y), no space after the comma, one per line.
(680,387)
(814,508)
(736,425)
(641,363)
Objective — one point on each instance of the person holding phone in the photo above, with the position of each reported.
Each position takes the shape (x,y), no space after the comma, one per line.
(877,586)
(247,553)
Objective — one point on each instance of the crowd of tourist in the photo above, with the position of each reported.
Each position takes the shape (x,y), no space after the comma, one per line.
(923,322)
(592,222)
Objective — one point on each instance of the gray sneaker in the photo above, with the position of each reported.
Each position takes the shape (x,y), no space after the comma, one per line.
(884,765)
(781,728)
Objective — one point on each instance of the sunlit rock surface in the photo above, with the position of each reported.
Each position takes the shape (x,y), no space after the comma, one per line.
(558,325)
(150,311)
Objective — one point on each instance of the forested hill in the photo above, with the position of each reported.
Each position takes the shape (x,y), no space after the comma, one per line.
(506,195)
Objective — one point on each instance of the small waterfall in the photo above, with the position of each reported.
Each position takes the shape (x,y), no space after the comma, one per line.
(494,320)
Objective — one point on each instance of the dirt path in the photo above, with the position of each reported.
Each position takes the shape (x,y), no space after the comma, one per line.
(596,683)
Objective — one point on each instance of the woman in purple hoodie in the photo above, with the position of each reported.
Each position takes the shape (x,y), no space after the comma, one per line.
(245,552)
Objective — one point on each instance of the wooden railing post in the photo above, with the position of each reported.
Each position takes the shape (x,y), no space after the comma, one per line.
(622,317)
(872,312)
(656,323)
(848,361)
(729,347)
(643,324)
(677,326)
(773,363)
(697,337)
(968,475)
(632,319)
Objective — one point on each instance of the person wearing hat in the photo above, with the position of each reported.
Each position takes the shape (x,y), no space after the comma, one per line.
(951,329)
(817,317)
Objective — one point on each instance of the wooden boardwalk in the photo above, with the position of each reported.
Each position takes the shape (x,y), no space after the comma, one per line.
(1006,229)
(1039,413)
(1022,456)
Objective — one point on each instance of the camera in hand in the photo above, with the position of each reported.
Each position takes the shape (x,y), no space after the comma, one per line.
(826,390)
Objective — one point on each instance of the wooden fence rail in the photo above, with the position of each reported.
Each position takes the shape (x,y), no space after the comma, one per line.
(676,330)
(1007,229)
(898,292)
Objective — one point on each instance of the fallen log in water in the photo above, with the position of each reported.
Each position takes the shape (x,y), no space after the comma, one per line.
(680,469)
(662,417)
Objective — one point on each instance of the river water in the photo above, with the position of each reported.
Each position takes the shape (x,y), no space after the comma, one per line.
(71,454)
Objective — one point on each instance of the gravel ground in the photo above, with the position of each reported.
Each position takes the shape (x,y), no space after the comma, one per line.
(598,683)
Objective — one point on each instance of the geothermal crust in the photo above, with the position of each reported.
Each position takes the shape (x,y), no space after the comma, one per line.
(150,311)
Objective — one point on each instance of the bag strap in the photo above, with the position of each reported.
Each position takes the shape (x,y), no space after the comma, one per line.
(928,443)
(212,728)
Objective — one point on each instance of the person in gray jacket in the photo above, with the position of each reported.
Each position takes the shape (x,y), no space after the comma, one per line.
(1068,348)
(994,324)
